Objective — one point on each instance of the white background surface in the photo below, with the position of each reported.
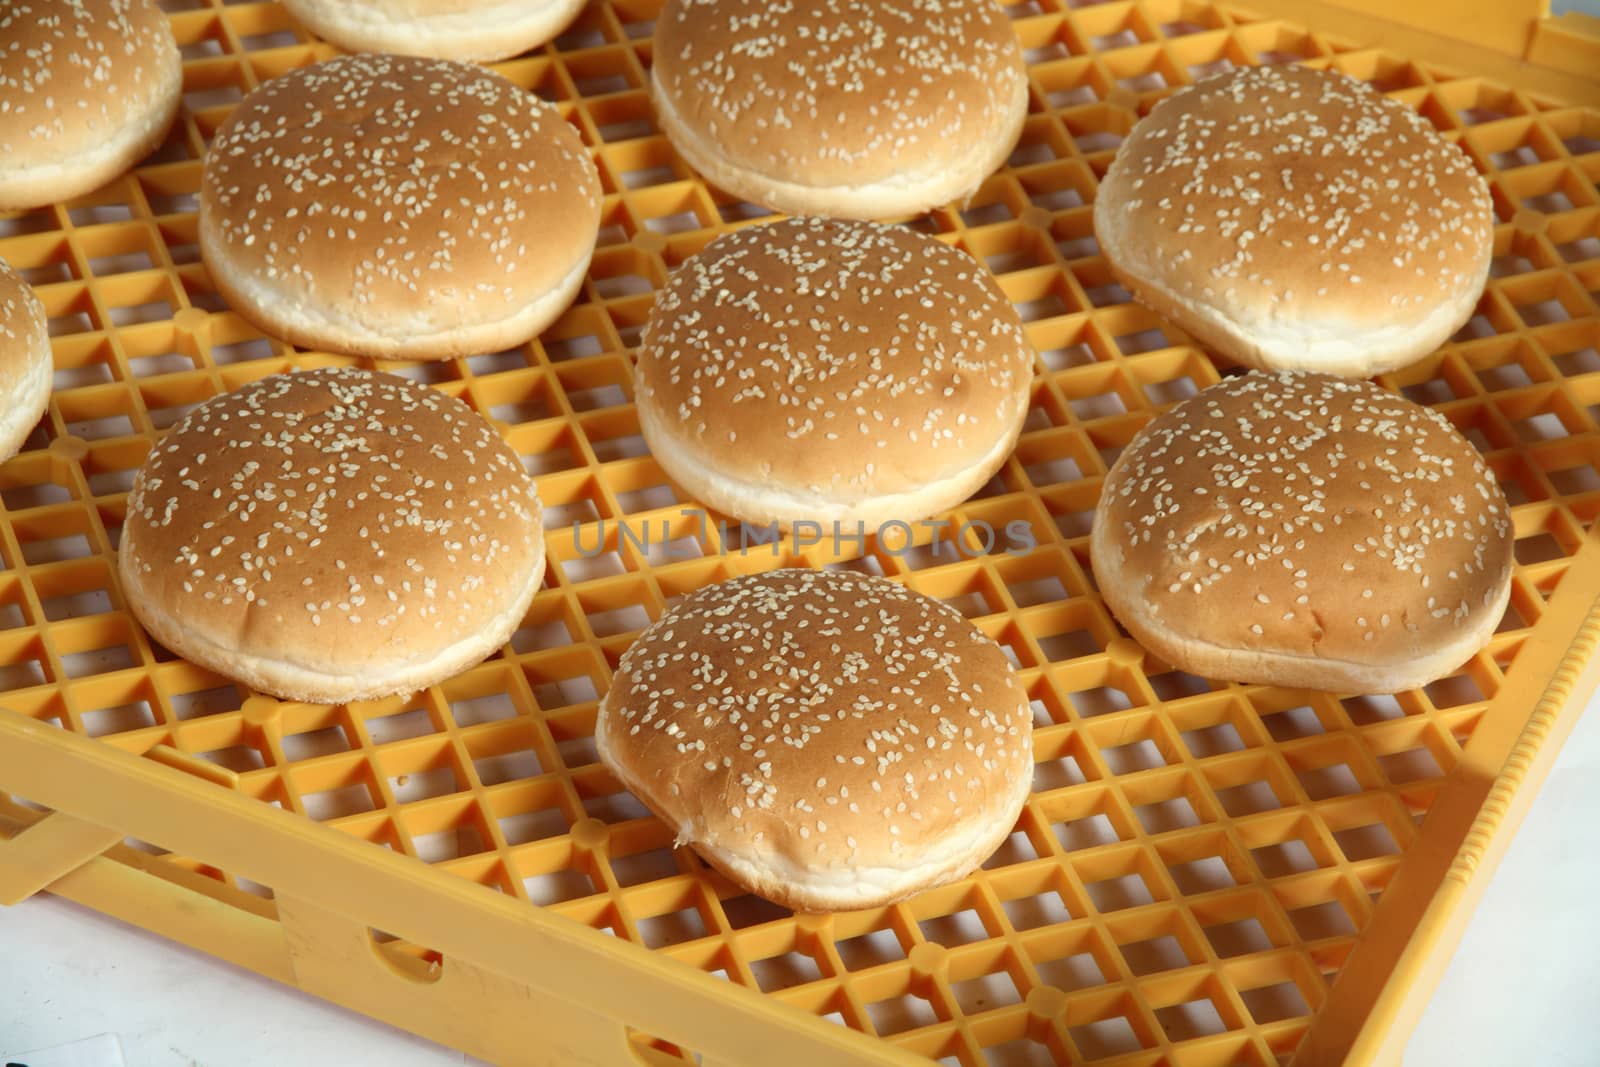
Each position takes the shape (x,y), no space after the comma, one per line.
(1521,990)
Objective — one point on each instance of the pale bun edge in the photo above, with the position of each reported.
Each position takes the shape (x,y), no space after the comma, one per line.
(29,187)
(404,338)
(1210,660)
(300,682)
(908,193)
(29,402)
(762,503)
(1344,346)
(468,35)
(785,883)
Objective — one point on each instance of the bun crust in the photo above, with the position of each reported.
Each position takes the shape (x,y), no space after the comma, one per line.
(26,363)
(1295,218)
(840,108)
(332,535)
(91,87)
(483,31)
(1304,530)
(826,739)
(826,370)
(398,207)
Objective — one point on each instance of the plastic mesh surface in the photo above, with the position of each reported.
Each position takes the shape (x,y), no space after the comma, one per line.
(1197,858)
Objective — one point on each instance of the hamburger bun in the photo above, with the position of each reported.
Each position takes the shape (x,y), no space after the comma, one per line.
(826,739)
(90,87)
(826,370)
(1297,219)
(398,207)
(332,535)
(482,30)
(26,365)
(1300,529)
(829,107)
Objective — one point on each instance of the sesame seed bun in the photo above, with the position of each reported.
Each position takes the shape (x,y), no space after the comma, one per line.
(831,107)
(822,370)
(1299,529)
(826,739)
(1297,219)
(332,535)
(480,30)
(398,207)
(26,365)
(91,87)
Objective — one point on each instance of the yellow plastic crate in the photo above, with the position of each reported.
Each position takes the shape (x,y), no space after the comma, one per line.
(1207,874)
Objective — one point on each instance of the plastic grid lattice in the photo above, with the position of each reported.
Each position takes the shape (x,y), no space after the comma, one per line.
(1197,858)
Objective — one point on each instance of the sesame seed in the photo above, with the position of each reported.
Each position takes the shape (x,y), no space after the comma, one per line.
(819,686)
(359,183)
(840,93)
(76,77)
(1281,159)
(1414,509)
(798,349)
(356,458)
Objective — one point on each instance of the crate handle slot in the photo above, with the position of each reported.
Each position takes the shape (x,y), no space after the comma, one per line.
(499,954)
(411,962)
(646,1051)
(335,956)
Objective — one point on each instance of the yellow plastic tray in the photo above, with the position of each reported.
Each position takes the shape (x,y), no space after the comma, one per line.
(1207,874)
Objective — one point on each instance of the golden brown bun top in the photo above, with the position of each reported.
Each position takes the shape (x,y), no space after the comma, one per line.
(23,331)
(816,349)
(72,72)
(838,92)
(337,514)
(1317,515)
(828,717)
(396,180)
(1298,192)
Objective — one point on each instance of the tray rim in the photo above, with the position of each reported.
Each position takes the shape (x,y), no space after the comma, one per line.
(94,788)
